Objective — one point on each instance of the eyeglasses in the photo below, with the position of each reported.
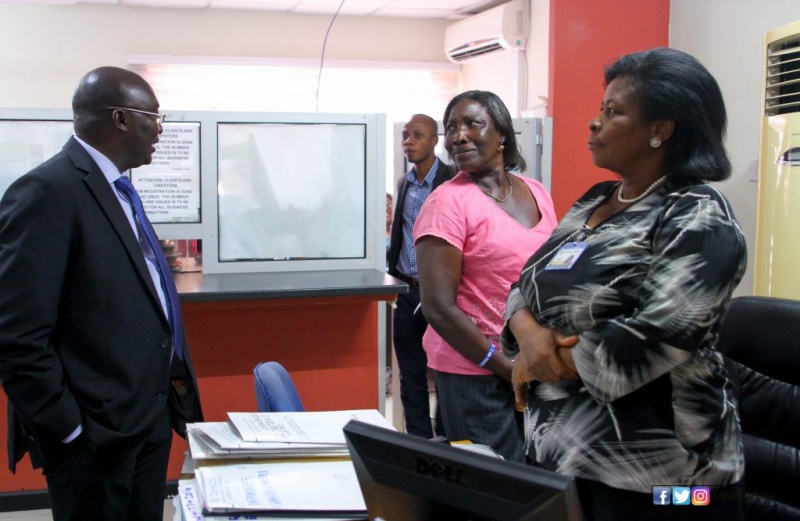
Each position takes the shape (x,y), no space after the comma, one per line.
(159,117)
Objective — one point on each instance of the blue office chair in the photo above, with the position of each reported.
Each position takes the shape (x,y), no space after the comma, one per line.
(275,391)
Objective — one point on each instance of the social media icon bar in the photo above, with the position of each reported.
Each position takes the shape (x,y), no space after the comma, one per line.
(681,495)
(698,496)
(662,495)
(701,496)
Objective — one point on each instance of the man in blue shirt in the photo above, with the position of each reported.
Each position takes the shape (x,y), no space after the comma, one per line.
(420,136)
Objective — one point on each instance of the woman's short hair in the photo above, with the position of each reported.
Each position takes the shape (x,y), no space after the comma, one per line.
(512,157)
(672,85)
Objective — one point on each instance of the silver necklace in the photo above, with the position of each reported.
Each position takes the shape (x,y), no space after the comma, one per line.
(658,182)
(504,199)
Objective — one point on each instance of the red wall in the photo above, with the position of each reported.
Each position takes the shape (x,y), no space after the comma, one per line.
(586,35)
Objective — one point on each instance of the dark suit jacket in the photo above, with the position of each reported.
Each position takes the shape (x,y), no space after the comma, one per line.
(444,173)
(83,339)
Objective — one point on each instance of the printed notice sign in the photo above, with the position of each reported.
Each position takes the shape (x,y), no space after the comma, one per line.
(170,185)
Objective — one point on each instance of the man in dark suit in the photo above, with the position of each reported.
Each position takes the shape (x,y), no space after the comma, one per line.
(420,136)
(95,373)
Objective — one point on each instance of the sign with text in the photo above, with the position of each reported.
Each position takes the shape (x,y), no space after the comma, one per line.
(170,185)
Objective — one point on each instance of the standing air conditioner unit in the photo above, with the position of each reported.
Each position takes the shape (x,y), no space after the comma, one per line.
(777,260)
(498,29)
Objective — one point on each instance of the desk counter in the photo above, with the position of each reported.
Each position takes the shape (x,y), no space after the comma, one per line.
(199,287)
(327,328)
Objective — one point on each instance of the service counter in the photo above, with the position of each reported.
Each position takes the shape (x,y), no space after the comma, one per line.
(326,327)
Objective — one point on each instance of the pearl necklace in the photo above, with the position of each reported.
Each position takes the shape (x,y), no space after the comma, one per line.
(504,199)
(658,182)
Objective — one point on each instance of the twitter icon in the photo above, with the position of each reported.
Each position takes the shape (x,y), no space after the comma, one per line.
(681,495)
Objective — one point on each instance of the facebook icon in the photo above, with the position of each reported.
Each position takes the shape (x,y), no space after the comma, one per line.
(662,495)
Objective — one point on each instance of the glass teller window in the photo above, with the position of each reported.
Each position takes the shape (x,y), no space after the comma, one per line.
(291,191)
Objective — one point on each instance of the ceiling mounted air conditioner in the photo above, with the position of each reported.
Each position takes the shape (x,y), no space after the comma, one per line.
(500,28)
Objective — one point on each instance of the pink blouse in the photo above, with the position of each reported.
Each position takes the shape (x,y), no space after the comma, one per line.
(494,247)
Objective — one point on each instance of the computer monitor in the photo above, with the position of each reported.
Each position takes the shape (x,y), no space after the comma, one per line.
(404,478)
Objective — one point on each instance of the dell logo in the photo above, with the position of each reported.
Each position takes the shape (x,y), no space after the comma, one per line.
(438,470)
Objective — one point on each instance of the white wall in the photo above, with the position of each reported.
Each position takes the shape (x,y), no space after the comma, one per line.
(728,37)
(537,89)
(500,73)
(46,49)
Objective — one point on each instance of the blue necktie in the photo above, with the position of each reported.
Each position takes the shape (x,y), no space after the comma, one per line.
(167,284)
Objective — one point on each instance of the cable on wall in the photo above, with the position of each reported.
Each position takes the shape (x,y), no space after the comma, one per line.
(324,44)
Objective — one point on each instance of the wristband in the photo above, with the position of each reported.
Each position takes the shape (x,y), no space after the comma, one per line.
(492,349)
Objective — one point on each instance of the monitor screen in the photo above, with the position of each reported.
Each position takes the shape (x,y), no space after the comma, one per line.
(404,478)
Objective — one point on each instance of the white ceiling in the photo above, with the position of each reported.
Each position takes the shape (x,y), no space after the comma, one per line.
(449,9)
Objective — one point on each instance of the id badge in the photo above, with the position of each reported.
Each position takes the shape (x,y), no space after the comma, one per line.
(566,257)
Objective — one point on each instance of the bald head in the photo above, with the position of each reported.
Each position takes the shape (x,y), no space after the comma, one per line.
(126,133)
(102,88)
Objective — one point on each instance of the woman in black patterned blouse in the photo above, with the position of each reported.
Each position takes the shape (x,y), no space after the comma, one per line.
(614,320)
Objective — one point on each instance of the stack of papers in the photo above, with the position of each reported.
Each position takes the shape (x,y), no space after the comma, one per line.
(324,488)
(277,434)
(274,465)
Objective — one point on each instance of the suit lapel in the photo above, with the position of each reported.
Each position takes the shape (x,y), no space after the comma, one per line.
(102,192)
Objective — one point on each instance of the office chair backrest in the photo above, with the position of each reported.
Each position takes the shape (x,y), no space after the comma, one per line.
(275,391)
(760,338)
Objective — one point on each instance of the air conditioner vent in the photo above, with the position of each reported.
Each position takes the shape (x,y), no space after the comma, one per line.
(783,77)
(505,27)
(470,51)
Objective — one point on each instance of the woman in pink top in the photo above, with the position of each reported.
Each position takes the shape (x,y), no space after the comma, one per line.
(472,237)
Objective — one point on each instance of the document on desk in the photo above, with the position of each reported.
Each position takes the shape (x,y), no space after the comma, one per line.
(215,440)
(301,427)
(189,507)
(327,488)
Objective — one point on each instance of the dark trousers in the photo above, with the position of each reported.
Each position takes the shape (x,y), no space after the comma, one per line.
(123,484)
(408,327)
(480,409)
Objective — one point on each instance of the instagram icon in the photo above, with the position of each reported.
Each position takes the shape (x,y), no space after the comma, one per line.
(701,496)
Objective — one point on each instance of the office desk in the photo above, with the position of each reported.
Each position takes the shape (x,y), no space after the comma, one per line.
(326,328)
